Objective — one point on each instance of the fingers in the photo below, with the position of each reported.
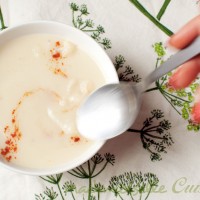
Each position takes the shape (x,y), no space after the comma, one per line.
(196,113)
(185,74)
(190,70)
(186,34)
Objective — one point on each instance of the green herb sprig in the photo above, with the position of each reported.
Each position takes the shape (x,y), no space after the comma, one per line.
(79,20)
(154,134)
(133,184)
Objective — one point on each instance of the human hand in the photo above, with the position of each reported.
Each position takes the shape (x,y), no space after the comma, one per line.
(189,71)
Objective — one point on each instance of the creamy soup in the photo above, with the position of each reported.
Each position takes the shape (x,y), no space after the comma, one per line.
(43,80)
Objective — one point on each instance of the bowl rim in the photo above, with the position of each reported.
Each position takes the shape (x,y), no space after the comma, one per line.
(97,145)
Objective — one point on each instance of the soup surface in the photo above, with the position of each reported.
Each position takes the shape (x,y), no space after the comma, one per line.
(43,80)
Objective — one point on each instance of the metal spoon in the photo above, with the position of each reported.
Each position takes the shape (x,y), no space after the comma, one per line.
(112,109)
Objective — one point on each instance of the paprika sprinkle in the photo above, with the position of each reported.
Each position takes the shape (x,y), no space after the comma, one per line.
(75,138)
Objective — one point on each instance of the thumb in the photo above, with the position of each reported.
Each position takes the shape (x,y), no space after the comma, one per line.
(185,74)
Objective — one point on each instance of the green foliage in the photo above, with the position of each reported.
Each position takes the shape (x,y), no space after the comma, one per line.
(98,187)
(125,72)
(181,100)
(53,179)
(152,179)
(119,62)
(89,169)
(128,183)
(2,21)
(39,197)
(110,158)
(159,49)
(154,134)
(92,168)
(154,20)
(79,20)
(97,159)
(163,9)
(48,194)
(74,7)
(92,197)
(114,186)
(68,186)
(132,184)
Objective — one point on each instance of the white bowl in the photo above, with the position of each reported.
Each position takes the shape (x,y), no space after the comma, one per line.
(85,43)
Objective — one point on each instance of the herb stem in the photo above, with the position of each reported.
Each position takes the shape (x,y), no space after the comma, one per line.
(163,9)
(98,195)
(72,195)
(140,195)
(82,28)
(120,197)
(83,170)
(2,20)
(134,130)
(73,19)
(93,168)
(60,191)
(77,175)
(76,172)
(170,102)
(161,84)
(90,181)
(143,142)
(157,60)
(153,136)
(47,180)
(152,89)
(131,196)
(176,97)
(151,18)
(89,30)
(100,170)
(90,188)
(148,193)
(151,128)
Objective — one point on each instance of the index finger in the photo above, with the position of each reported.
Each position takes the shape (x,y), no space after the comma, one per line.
(186,34)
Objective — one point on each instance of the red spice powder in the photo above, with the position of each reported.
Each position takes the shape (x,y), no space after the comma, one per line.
(8,141)
(57,43)
(15,149)
(8,158)
(14,134)
(6,129)
(5,151)
(75,139)
(58,71)
(56,55)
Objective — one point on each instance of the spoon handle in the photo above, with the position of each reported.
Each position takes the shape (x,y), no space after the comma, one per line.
(174,61)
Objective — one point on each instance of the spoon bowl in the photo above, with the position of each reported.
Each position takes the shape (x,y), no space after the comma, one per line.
(113,116)
(113,108)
